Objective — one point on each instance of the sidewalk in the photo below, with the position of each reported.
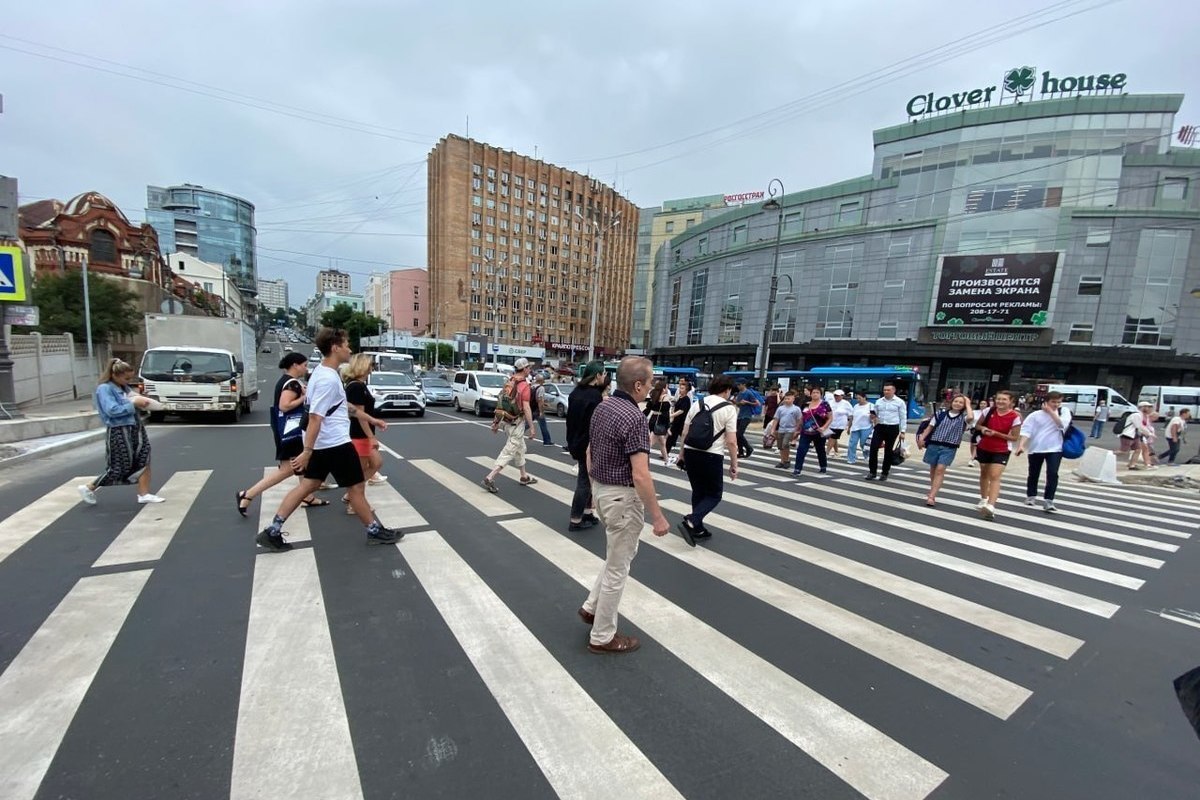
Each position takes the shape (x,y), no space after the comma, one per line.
(48,429)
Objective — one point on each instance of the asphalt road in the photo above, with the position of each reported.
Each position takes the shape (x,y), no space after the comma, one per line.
(835,639)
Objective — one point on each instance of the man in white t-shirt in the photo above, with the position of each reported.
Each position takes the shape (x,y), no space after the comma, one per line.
(705,464)
(842,409)
(327,447)
(1176,429)
(1042,437)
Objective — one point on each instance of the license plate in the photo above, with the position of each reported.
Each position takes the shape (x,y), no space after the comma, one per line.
(187,406)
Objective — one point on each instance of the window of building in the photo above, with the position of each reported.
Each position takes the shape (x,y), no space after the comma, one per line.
(1156,286)
(740,233)
(850,213)
(1174,188)
(474,234)
(416,322)
(477,169)
(701,246)
(793,222)
(783,326)
(672,331)
(893,290)
(729,330)
(695,332)
(491,204)
(1091,284)
(838,299)
(103,249)
(1098,236)
(899,246)
(888,329)
(476,200)
(491,187)
(475,266)
(689,222)
(670,226)
(1081,332)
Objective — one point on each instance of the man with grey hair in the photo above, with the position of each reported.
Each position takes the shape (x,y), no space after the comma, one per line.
(618,458)
(515,430)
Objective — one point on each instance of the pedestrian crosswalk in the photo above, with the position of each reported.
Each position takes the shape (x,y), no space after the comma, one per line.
(825,619)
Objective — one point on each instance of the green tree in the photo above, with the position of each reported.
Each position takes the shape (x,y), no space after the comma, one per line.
(440,353)
(355,323)
(59,297)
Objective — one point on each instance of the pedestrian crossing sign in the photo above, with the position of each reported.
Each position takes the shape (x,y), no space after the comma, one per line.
(12,274)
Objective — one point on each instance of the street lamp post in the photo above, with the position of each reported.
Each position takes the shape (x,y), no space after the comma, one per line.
(773,203)
(600,233)
(495,310)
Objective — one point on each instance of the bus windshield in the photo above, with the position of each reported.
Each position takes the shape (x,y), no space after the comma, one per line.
(392,362)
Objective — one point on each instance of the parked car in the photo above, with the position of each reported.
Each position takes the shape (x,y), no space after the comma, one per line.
(558,397)
(476,391)
(437,390)
(396,391)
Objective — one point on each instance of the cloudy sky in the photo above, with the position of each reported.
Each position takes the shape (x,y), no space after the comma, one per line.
(322,113)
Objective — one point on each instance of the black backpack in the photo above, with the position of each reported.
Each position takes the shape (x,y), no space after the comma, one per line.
(700,432)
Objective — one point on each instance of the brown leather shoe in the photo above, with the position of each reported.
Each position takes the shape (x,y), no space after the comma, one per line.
(617,644)
(587,616)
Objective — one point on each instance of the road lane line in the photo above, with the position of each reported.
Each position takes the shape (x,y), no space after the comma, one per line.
(28,522)
(293,737)
(467,491)
(864,757)
(148,534)
(573,741)
(393,509)
(42,688)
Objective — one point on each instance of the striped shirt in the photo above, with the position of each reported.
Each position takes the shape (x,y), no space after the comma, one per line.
(947,429)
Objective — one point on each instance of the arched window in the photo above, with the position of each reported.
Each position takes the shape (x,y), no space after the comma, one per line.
(104,247)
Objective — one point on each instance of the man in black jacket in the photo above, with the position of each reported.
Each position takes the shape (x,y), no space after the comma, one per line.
(587,395)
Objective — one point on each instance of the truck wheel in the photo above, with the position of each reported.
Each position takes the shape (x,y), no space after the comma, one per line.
(478,409)
(235,416)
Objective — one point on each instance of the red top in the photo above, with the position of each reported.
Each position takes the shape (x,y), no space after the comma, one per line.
(1000,423)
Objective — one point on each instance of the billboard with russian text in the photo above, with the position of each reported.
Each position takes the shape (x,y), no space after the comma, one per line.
(995,289)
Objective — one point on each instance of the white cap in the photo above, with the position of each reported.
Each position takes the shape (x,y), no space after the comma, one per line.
(838,391)
(520,364)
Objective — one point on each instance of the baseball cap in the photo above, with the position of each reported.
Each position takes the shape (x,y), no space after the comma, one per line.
(591,370)
(1145,404)
(836,392)
(520,364)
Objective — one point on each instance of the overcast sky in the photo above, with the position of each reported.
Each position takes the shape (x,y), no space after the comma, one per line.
(667,100)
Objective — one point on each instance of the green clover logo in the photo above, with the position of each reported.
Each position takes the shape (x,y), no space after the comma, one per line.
(955,321)
(940,316)
(1039,318)
(1019,80)
(1018,321)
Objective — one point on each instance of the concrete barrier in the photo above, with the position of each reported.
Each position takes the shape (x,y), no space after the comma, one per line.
(19,430)
(1098,466)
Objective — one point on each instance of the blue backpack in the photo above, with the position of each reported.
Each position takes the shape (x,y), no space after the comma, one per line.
(1074,442)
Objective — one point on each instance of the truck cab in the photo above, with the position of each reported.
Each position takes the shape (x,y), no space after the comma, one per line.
(193,380)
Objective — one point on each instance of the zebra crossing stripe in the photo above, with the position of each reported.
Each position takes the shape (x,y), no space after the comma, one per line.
(574,742)
(26,523)
(147,536)
(878,497)
(293,737)
(882,518)
(1018,583)
(393,509)
(989,619)
(44,685)
(871,762)
(957,678)
(470,492)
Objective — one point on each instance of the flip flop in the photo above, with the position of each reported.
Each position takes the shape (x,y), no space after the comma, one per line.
(310,502)
(240,497)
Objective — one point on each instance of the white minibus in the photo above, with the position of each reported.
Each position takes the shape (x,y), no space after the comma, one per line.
(1172,398)
(1081,399)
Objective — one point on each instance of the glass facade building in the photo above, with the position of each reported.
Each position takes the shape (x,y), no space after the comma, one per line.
(1091,184)
(212,226)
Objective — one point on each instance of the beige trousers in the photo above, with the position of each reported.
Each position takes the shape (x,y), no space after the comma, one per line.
(623,515)
(514,445)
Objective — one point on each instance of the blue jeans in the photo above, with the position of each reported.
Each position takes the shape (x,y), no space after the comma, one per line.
(1172,451)
(807,441)
(545,430)
(1097,428)
(858,442)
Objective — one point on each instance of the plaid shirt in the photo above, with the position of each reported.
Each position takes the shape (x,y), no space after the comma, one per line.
(618,431)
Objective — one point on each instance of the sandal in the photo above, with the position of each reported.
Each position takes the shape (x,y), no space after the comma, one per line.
(241,497)
(310,502)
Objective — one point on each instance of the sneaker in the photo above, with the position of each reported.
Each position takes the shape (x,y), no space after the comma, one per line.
(528,480)
(1152,466)
(989,511)
(547,444)
(972,463)
(782,465)
(883,477)
(86,494)
(685,530)
(671,459)
(1049,507)
(377,479)
(582,525)
(870,477)
(1031,501)
(749,452)
(1134,466)
(982,502)
(272,541)
(490,485)
(385,536)
(143,499)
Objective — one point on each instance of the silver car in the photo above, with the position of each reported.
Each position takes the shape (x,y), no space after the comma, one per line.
(437,391)
(558,397)
(396,391)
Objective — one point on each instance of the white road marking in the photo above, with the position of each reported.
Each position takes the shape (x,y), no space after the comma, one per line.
(147,536)
(393,509)
(572,739)
(34,518)
(467,491)
(42,688)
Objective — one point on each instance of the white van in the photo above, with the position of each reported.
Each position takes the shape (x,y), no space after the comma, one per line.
(1081,399)
(476,391)
(495,366)
(1165,398)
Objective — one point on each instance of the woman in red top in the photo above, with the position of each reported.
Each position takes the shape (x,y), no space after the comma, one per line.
(998,427)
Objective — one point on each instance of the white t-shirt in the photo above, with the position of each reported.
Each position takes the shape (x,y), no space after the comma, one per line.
(1176,427)
(860,413)
(841,414)
(325,392)
(1045,431)
(724,421)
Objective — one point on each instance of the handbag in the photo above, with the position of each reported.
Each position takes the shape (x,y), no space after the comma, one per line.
(898,454)
(290,425)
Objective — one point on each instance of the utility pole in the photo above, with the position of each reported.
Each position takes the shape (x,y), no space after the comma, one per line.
(87,310)
(599,260)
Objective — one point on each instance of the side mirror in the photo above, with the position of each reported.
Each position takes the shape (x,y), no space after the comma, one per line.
(239,366)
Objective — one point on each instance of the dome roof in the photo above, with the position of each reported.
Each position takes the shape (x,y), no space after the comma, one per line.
(81,204)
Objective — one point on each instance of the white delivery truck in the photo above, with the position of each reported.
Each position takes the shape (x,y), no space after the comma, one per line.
(199,365)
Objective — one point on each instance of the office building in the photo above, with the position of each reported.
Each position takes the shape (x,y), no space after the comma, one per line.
(333,280)
(209,225)
(273,293)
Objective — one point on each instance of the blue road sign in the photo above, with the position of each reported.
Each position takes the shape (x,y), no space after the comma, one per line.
(495,348)
(12,274)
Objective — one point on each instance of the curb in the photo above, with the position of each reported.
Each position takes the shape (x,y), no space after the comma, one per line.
(84,438)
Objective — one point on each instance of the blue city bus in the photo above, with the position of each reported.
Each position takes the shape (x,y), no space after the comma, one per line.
(909,382)
(698,379)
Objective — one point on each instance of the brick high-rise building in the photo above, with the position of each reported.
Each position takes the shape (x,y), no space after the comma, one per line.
(332,280)
(509,229)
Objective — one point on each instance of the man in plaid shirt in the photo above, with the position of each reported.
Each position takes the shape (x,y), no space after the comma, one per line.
(619,464)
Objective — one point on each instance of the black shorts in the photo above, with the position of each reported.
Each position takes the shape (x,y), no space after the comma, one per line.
(835,433)
(988,457)
(340,461)
(289,450)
